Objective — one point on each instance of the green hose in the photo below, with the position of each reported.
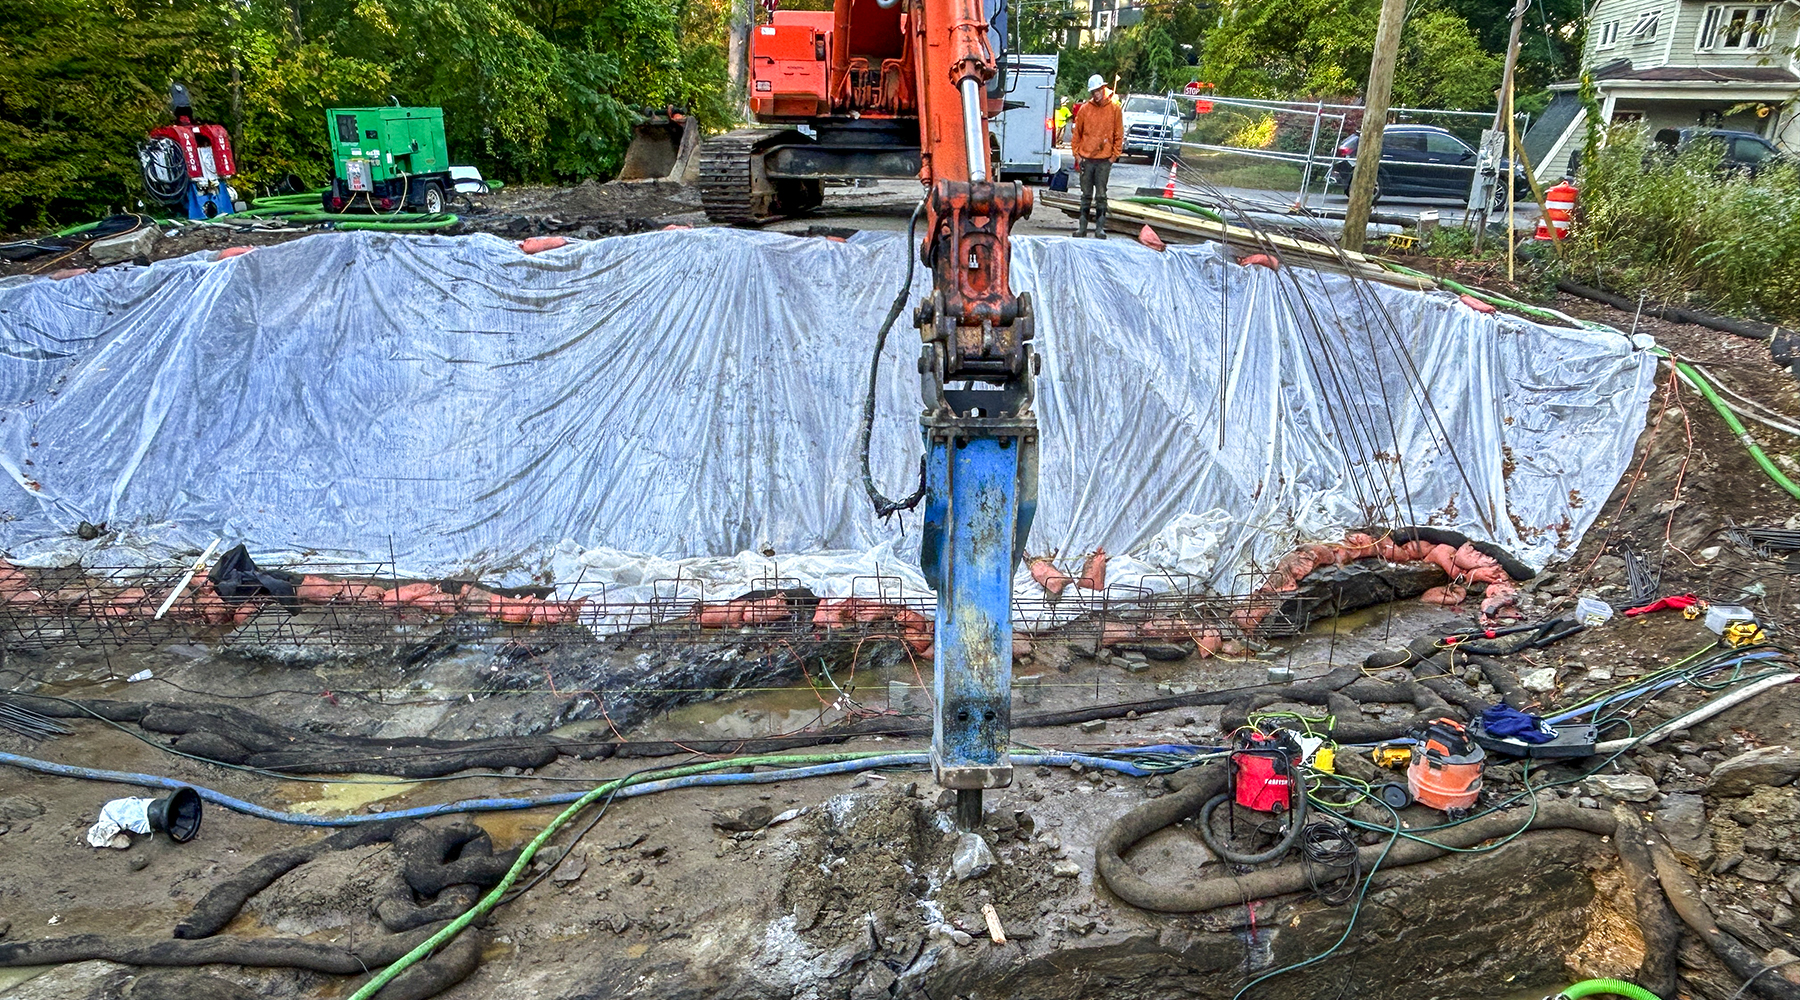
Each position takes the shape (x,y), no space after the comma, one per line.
(1736,426)
(1598,987)
(492,899)
(1186,206)
(304,209)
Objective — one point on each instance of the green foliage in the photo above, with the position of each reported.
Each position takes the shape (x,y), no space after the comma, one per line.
(1146,57)
(1286,48)
(1678,229)
(80,84)
(531,89)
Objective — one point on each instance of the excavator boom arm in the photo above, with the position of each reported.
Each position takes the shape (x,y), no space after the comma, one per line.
(980,439)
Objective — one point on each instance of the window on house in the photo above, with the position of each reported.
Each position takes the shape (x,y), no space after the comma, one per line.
(1735,27)
(1645,28)
(1609,34)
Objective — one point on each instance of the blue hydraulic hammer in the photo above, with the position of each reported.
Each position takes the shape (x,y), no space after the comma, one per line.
(981,448)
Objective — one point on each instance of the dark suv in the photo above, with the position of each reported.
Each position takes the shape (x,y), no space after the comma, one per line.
(1423,161)
(1739,152)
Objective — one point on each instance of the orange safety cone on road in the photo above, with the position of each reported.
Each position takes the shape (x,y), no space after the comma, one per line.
(1559,211)
(1169,188)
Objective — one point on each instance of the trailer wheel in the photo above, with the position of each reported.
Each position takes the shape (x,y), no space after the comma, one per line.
(433,199)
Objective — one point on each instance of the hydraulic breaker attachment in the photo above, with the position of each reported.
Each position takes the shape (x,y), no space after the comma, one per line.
(981,456)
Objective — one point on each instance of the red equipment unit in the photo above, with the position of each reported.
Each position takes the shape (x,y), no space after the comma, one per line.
(1263,773)
(189,162)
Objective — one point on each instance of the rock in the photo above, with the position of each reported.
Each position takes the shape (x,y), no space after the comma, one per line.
(1758,870)
(138,862)
(973,857)
(1620,787)
(960,937)
(1588,802)
(745,819)
(1066,869)
(1696,766)
(1682,819)
(126,247)
(570,870)
(17,807)
(1541,679)
(1743,926)
(1093,726)
(1783,963)
(1743,774)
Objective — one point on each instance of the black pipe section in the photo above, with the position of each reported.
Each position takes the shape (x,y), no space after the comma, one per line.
(221,904)
(1741,327)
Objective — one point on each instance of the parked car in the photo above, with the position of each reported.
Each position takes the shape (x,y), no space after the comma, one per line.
(1424,161)
(1152,120)
(1739,152)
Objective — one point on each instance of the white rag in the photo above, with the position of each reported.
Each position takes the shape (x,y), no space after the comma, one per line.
(116,817)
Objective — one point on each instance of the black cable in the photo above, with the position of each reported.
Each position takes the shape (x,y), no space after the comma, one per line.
(1328,844)
(1296,822)
(164,169)
(1770,968)
(883,506)
(605,804)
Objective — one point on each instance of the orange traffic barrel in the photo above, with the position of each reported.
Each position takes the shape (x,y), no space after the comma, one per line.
(1559,211)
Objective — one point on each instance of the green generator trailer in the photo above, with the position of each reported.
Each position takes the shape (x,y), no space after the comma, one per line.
(388,159)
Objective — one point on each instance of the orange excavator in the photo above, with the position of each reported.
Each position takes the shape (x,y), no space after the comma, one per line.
(905,88)
(842,95)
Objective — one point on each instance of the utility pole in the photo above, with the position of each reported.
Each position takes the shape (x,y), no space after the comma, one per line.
(1375,110)
(743,22)
(1503,115)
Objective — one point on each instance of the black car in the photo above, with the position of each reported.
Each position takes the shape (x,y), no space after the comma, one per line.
(1423,161)
(1739,152)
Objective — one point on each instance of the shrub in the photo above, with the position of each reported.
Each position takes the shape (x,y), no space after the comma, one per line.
(1680,229)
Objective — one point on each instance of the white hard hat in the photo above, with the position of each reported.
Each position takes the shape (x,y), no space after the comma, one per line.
(1095,82)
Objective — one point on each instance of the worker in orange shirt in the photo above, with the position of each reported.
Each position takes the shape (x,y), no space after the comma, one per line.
(1097,141)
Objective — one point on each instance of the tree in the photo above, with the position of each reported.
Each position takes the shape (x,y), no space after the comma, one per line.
(1287,49)
(531,89)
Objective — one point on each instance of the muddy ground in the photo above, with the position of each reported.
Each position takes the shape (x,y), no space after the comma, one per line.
(844,886)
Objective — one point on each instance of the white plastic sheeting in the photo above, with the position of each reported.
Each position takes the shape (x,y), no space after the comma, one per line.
(620,410)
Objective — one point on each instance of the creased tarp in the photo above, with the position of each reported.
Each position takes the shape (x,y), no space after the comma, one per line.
(691,394)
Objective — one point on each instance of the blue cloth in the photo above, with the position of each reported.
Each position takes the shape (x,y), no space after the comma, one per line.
(1507,722)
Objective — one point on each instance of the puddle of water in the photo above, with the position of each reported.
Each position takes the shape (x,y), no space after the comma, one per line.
(514,829)
(767,711)
(1351,621)
(321,798)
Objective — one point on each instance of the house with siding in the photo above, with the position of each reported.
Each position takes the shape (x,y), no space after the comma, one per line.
(1679,64)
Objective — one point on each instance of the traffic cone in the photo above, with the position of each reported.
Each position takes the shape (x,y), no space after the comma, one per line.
(1169,188)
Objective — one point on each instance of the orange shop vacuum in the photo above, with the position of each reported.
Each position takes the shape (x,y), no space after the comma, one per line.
(1446,767)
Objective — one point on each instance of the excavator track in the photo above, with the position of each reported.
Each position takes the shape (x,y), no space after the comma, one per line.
(728,178)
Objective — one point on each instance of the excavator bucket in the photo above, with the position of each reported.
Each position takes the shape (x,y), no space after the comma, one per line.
(662,148)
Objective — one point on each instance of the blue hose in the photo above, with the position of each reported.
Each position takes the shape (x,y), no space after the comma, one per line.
(539,801)
(1663,685)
